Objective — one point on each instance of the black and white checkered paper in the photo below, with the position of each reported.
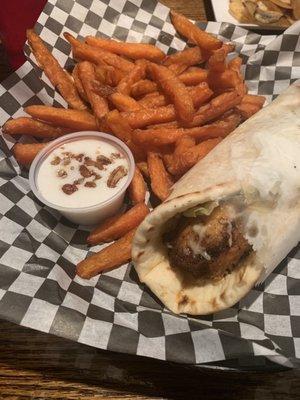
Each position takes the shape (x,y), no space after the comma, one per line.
(39,249)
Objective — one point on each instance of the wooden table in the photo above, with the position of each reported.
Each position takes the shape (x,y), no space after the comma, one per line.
(34,365)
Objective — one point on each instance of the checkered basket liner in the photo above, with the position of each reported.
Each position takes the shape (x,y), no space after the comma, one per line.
(39,248)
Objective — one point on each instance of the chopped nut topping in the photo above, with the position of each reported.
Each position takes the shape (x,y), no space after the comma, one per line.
(115,156)
(69,189)
(84,171)
(90,184)
(55,161)
(78,181)
(96,176)
(78,157)
(66,161)
(117,174)
(61,173)
(103,159)
(100,162)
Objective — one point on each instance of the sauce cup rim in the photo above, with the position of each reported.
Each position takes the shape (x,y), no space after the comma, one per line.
(72,137)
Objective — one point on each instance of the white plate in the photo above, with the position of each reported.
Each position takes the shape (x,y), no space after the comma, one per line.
(221,12)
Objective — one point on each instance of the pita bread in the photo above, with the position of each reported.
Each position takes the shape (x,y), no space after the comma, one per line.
(261,156)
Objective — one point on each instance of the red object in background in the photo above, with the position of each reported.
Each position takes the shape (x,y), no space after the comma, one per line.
(15,17)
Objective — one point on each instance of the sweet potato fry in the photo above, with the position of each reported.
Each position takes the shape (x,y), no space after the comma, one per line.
(137,187)
(31,127)
(135,51)
(124,103)
(143,167)
(220,82)
(87,77)
(254,99)
(178,69)
(217,61)
(55,73)
(96,55)
(111,256)
(122,130)
(157,136)
(182,162)
(193,76)
(102,90)
(142,118)
(135,75)
(216,107)
(77,120)
(109,231)
(199,94)
(175,90)
(153,100)
(166,136)
(78,83)
(194,34)
(235,64)
(143,87)
(166,125)
(161,182)
(250,105)
(108,75)
(183,144)
(189,56)
(25,153)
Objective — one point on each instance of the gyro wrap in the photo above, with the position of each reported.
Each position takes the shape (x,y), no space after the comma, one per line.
(260,162)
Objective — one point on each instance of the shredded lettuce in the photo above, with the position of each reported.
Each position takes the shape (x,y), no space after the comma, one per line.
(201,209)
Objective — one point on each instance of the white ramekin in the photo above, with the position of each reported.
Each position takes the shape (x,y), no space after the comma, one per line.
(84,215)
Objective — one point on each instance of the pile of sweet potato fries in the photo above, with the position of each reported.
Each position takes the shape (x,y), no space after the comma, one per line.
(170,110)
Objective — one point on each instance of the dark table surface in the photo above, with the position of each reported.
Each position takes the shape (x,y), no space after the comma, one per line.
(34,365)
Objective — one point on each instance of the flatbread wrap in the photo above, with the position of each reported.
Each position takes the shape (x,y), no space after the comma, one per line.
(231,219)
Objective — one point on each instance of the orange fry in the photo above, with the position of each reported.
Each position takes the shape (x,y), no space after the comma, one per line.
(142,118)
(217,61)
(166,136)
(143,167)
(216,107)
(96,55)
(199,94)
(78,83)
(189,56)
(122,130)
(131,50)
(137,187)
(31,127)
(55,73)
(175,90)
(182,162)
(193,76)
(194,34)
(160,181)
(143,87)
(78,120)
(25,153)
(250,105)
(87,77)
(135,75)
(112,230)
(124,103)
(111,256)
(220,82)
(108,75)
(153,100)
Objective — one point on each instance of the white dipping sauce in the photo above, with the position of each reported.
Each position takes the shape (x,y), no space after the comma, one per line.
(71,162)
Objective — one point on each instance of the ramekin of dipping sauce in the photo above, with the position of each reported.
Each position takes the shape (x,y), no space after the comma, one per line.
(83,175)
